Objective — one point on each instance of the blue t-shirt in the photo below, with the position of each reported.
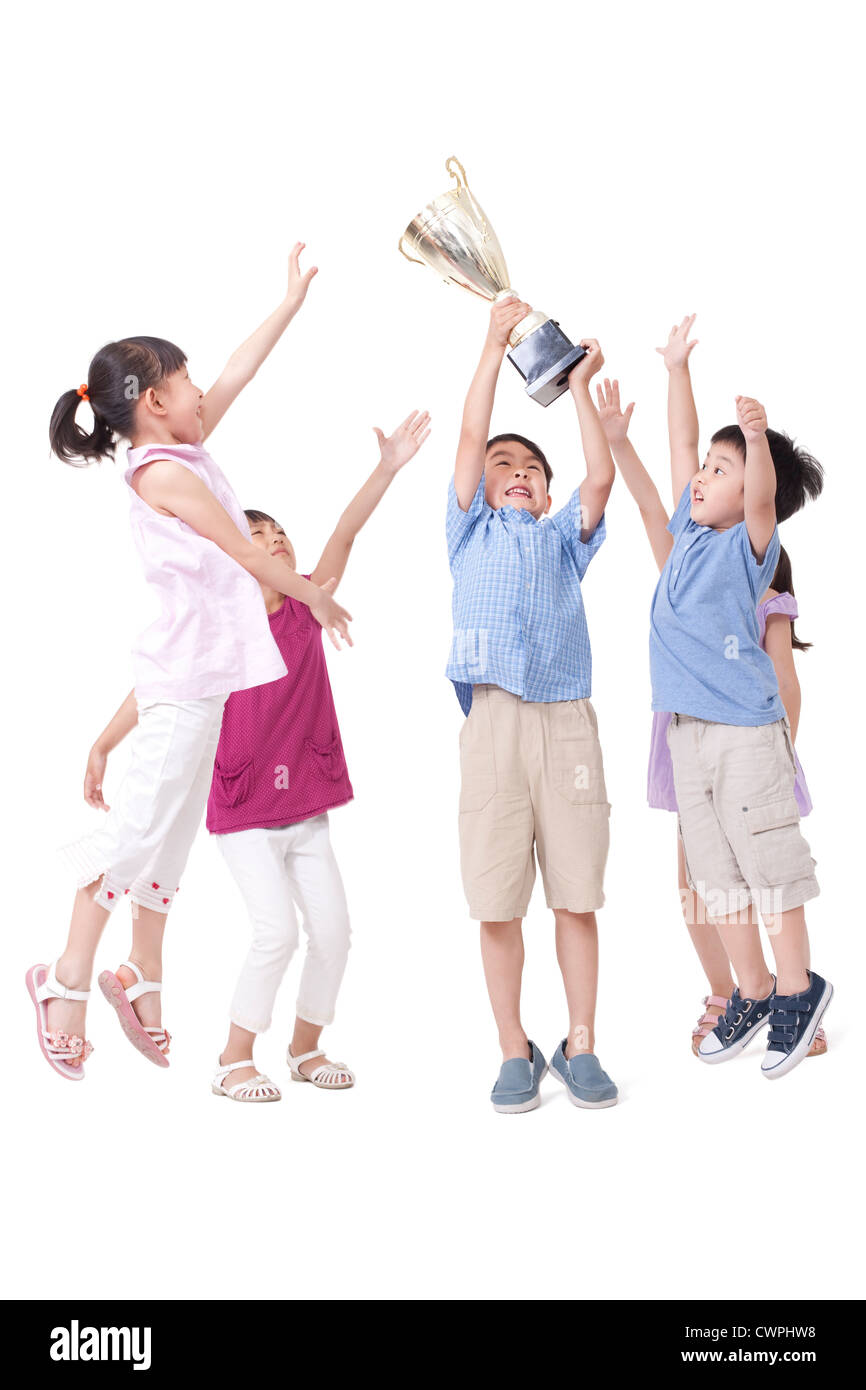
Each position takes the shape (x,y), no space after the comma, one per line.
(705,653)
(519,621)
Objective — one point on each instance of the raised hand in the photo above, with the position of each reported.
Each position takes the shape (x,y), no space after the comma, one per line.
(614,421)
(299,282)
(751,418)
(398,448)
(330,616)
(592,362)
(677,350)
(504,317)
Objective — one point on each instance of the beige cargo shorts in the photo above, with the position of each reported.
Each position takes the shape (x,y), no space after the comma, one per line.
(738,816)
(531,776)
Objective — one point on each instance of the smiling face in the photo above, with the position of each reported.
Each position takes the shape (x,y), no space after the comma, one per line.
(175,402)
(514,477)
(271,537)
(717,489)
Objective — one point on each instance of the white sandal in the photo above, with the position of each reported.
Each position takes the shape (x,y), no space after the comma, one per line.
(65,1052)
(257,1089)
(325,1077)
(152,1043)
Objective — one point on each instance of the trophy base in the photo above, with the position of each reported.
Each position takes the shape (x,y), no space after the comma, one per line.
(544,359)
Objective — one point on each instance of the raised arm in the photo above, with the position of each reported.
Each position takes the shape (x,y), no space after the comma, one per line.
(760,485)
(478,409)
(394,452)
(246,360)
(615,423)
(682,415)
(173,490)
(600,472)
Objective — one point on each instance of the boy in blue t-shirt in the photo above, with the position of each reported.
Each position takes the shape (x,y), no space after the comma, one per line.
(729,737)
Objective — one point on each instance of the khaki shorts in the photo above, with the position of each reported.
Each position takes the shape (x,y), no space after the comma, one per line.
(531,774)
(738,816)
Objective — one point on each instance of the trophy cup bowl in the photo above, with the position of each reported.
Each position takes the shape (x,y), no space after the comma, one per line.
(454,238)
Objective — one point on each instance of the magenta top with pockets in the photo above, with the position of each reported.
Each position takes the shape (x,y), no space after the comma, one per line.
(280,756)
(212,635)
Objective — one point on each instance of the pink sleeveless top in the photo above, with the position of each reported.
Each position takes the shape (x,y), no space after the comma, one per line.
(213,635)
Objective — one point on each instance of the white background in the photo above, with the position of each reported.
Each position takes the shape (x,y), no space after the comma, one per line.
(638,163)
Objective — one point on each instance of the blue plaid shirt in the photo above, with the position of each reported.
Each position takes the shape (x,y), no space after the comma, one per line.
(518,610)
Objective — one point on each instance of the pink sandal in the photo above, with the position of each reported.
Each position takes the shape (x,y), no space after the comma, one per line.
(707,1022)
(819,1044)
(58,1048)
(152,1043)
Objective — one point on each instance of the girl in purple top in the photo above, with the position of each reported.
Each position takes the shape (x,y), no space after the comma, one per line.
(777,611)
(279,769)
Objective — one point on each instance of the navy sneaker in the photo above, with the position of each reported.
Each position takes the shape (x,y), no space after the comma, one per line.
(742,1020)
(588,1086)
(794,1021)
(517,1087)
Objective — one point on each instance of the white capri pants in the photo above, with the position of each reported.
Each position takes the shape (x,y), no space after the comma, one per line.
(143,843)
(276,868)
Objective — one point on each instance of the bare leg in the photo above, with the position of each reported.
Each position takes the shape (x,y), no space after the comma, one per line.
(742,941)
(577,953)
(148,929)
(790,942)
(306,1039)
(502,956)
(238,1048)
(75,967)
(705,937)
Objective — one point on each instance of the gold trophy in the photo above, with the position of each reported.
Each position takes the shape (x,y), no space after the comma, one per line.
(452,236)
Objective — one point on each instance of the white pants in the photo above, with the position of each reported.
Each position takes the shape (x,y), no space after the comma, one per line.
(275,869)
(143,843)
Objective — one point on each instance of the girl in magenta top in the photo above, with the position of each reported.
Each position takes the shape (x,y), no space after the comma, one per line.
(210,638)
(279,770)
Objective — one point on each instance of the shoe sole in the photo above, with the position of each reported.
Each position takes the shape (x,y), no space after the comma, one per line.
(801,1051)
(116,995)
(726,1053)
(522,1106)
(584,1104)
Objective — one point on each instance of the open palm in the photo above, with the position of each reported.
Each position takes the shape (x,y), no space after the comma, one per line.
(398,448)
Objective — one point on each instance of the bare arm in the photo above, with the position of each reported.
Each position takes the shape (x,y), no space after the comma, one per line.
(615,423)
(395,451)
(682,415)
(173,490)
(246,360)
(760,484)
(478,409)
(125,719)
(600,472)
(778,647)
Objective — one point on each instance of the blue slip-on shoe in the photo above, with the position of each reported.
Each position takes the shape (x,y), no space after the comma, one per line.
(742,1020)
(587,1085)
(794,1021)
(519,1079)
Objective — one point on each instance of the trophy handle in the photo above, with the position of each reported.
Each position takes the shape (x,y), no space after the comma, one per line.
(413,259)
(461,177)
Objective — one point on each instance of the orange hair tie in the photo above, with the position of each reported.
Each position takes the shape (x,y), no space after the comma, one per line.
(82,391)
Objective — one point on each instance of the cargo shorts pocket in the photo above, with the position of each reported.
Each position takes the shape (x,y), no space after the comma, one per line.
(781,853)
(578,768)
(477,759)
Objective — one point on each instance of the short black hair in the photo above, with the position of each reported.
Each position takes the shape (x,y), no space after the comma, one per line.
(799,476)
(252,515)
(527,444)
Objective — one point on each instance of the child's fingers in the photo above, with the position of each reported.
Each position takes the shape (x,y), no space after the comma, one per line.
(628,410)
(615,393)
(601,400)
